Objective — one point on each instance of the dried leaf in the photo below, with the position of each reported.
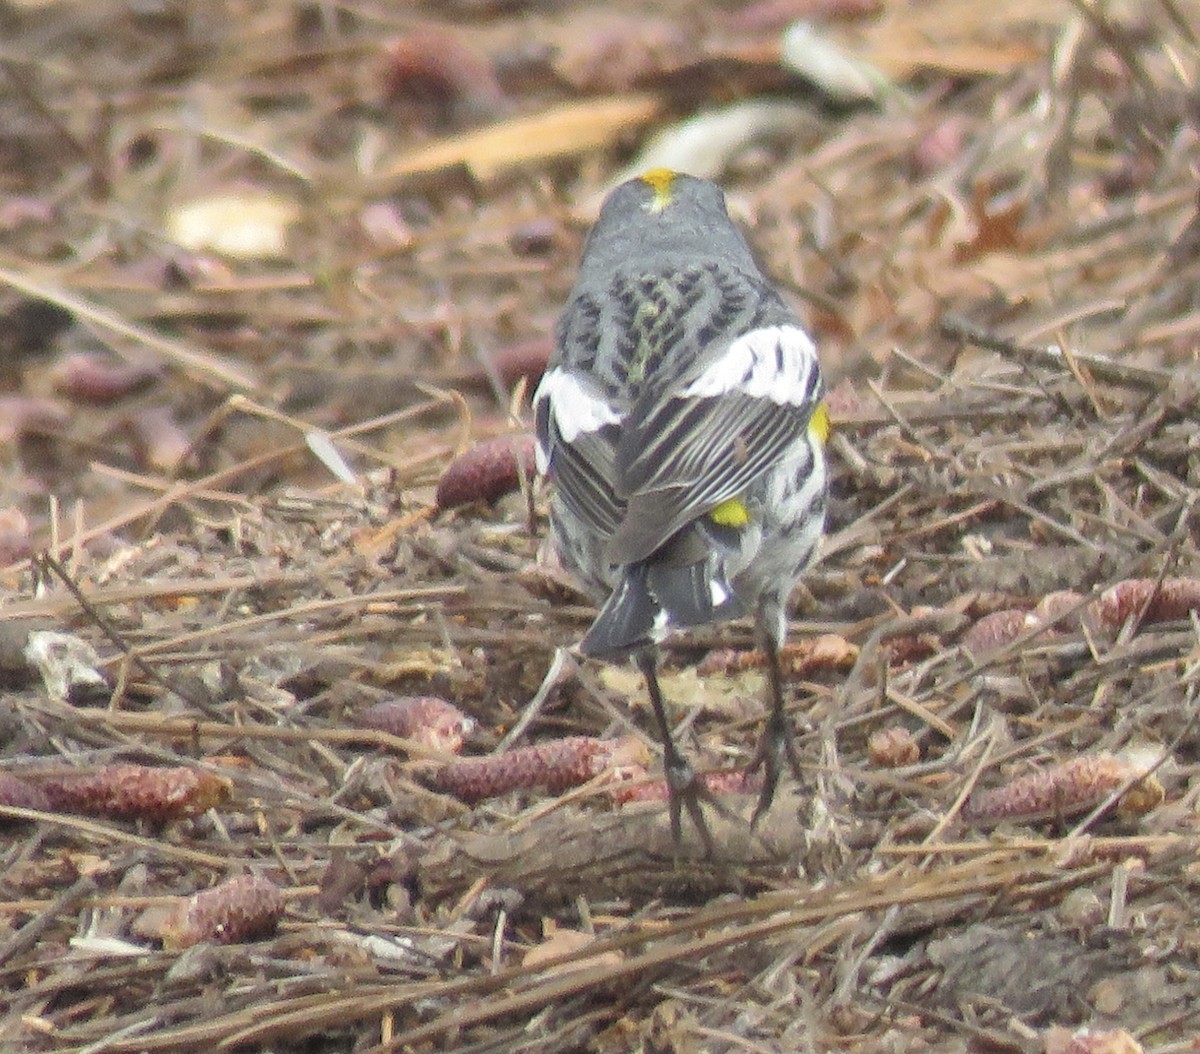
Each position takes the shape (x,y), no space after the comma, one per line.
(622,52)
(16,542)
(704,144)
(844,78)
(245,224)
(940,146)
(560,941)
(777,14)
(571,128)
(893,748)
(1145,598)
(325,450)
(514,362)
(22,415)
(1091,1041)
(800,658)
(1062,608)
(159,442)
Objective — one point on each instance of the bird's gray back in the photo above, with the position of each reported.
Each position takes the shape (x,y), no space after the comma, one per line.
(644,332)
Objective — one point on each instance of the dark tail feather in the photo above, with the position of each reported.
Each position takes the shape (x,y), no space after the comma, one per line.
(687,594)
(651,599)
(626,621)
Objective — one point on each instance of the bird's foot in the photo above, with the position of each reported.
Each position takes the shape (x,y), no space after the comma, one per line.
(775,747)
(687,791)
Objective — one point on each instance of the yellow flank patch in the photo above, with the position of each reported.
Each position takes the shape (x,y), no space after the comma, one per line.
(818,424)
(660,180)
(731,513)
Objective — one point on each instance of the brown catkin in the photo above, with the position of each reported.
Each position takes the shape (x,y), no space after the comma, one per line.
(553,766)
(138,792)
(1147,598)
(486,472)
(994,631)
(22,794)
(1065,789)
(425,719)
(241,909)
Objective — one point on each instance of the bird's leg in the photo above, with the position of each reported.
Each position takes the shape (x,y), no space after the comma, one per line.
(777,741)
(683,788)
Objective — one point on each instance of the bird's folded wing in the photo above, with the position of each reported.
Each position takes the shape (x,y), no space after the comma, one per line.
(577,434)
(583,474)
(685,453)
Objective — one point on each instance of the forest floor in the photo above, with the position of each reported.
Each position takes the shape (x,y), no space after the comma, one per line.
(267,270)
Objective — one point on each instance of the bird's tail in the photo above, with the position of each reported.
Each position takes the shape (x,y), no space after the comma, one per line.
(652,598)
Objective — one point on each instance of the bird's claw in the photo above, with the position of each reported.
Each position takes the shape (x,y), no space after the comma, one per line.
(687,791)
(774,748)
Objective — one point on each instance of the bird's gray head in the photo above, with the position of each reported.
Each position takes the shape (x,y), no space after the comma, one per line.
(665,213)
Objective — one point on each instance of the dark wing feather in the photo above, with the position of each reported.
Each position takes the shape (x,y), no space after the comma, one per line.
(583,475)
(583,468)
(741,438)
(680,456)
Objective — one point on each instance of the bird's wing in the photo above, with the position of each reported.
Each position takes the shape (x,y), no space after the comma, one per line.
(684,451)
(577,431)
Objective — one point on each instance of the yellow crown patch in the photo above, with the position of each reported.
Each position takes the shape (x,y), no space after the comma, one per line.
(661,181)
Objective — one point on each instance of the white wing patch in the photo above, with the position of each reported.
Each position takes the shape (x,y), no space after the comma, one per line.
(775,362)
(574,405)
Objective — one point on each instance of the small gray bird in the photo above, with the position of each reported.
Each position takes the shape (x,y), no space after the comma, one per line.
(682,427)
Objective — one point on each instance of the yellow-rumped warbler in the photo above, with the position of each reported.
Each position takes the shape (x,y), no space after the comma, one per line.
(682,427)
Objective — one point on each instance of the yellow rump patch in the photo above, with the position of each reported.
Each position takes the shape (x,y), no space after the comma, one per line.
(731,513)
(660,180)
(818,424)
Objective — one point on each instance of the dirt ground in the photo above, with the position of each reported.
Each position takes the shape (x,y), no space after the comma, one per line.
(267,270)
